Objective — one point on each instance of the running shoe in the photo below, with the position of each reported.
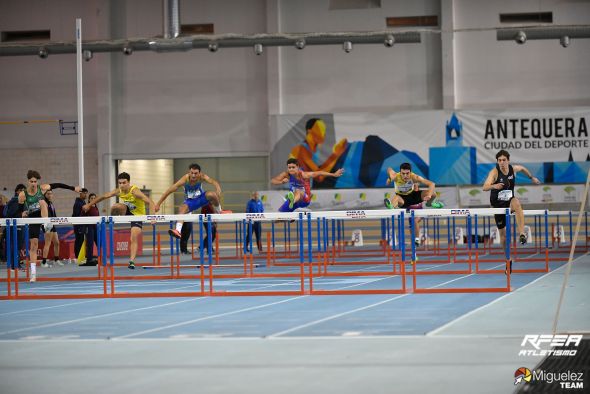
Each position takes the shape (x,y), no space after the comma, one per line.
(131,265)
(437,204)
(175,233)
(523,239)
(388,203)
(291,198)
(33,278)
(417,241)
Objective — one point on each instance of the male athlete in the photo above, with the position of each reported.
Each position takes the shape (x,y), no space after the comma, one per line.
(194,195)
(500,182)
(32,204)
(299,195)
(133,203)
(407,194)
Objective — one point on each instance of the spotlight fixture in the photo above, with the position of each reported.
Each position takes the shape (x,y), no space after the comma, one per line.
(213,47)
(565,41)
(389,40)
(300,44)
(43,53)
(347,46)
(127,49)
(87,54)
(258,49)
(520,37)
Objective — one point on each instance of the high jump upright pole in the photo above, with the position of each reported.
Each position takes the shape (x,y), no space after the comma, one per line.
(80,102)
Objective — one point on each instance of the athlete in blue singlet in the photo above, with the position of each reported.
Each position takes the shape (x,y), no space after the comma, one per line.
(299,195)
(194,195)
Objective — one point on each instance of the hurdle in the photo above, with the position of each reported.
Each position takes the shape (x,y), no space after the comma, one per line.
(320,255)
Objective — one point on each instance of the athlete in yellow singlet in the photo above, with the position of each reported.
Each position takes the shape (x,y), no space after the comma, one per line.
(132,203)
(407,193)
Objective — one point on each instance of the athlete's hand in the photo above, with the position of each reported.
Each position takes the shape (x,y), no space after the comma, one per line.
(339,172)
(77,189)
(388,181)
(86,207)
(25,214)
(535,180)
(427,197)
(498,186)
(285,180)
(157,208)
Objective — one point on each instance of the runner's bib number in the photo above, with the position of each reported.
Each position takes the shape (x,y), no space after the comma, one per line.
(193,194)
(505,195)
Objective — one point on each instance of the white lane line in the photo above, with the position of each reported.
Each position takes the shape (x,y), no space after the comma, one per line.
(61,323)
(280,333)
(184,323)
(46,307)
(209,317)
(444,326)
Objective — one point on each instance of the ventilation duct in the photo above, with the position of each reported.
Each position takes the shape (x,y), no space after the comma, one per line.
(185,43)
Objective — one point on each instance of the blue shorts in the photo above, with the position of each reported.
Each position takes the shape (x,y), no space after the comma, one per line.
(195,203)
(298,204)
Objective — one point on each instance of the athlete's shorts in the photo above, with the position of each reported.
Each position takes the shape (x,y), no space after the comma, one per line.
(299,204)
(195,203)
(501,219)
(133,224)
(34,229)
(414,198)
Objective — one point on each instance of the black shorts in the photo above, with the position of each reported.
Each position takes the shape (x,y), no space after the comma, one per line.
(34,229)
(133,224)
(415,197)
(501,219)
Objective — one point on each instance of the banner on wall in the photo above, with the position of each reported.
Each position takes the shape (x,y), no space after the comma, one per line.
(452,197)
(344,199)
(449,148)
(527,194)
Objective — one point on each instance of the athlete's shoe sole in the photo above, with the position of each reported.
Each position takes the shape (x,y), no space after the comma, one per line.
(175,233)
(387,203)
(437,205)
(523,239)
(291,198)
(131,265)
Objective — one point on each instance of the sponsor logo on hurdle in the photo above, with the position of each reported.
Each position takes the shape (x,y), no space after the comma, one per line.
(156,218)
(460,212)
(554,341)
(58,220)
(356,214)
(566,379)
(255,216)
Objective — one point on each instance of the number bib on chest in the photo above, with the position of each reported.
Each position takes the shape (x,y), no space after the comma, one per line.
(505,195)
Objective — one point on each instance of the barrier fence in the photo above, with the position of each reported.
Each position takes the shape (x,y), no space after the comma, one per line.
(303,250)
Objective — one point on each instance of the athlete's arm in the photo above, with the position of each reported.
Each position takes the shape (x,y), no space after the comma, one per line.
(313,174)
(488,184)
(283,177)
(212,181)
(52,186)
(139,194)
(171,190)
(390,175)
(105,196)
(519,168)
(418,179)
